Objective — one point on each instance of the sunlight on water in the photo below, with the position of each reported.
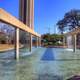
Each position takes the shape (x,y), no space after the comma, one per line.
(69,49)
(31,67)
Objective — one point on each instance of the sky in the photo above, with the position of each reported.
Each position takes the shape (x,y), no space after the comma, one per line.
(46,12)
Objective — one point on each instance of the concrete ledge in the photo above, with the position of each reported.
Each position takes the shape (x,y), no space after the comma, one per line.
(9,19)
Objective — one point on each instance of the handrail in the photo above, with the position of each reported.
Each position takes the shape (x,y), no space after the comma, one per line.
(9,19)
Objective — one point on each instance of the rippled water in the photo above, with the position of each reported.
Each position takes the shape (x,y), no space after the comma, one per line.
(31,67)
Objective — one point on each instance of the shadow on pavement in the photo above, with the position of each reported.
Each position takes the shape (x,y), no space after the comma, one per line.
(76,77)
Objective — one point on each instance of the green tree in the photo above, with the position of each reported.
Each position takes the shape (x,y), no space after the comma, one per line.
(52,39)
(70,21)
(61,25)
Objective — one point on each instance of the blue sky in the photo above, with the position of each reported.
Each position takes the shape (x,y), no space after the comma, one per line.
(47,12)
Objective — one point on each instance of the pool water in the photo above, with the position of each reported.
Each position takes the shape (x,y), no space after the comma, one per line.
(48,55)
(42,64)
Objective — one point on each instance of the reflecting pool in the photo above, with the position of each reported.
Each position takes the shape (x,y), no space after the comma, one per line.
(32,67)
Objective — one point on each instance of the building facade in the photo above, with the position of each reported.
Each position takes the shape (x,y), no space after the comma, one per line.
(26,15)
(27,12)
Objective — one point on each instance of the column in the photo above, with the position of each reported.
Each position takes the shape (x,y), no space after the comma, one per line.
(30,42)
(64,41)
(74,43)
(40,41)
(37,42)
(17,43)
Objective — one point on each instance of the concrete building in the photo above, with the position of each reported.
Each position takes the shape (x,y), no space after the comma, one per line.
(26,15)
(18,25)
(26,10)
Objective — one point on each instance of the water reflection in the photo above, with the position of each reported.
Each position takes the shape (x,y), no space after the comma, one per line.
(7,70)
(31,67)
(48,77)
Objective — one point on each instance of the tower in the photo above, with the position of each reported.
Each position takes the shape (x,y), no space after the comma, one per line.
(26,12)
(26,15)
